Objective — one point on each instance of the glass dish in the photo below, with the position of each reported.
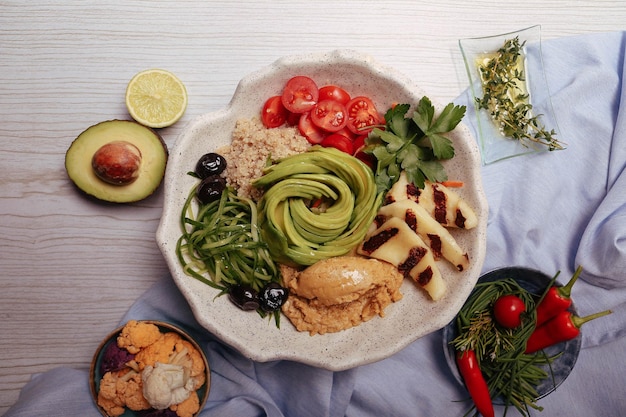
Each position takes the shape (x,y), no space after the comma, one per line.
(494,145)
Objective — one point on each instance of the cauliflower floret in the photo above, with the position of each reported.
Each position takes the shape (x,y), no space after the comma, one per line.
(121,389)
(166,384)
(137,335)
(188,407)
(130,388)
(189,357)
(107,395)
(159,351)
(110,407)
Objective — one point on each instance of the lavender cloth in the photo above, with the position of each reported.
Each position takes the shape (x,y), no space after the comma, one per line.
(550,211)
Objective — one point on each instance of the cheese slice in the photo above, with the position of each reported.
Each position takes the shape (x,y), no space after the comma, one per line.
(443,204)
(441,242)
(396,243)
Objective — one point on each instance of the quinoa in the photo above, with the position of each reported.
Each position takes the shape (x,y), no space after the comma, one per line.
(252,144)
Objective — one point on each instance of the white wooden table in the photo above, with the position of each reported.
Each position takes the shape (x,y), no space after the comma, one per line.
(71,267)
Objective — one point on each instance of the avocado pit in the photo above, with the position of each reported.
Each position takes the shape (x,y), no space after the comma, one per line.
(117,162)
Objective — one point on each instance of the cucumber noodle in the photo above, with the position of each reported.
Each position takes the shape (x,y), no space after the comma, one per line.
(220,244)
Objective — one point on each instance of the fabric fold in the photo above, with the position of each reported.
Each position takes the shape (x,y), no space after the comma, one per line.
(603,244)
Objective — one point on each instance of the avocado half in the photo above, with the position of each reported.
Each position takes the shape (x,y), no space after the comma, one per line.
(149,175)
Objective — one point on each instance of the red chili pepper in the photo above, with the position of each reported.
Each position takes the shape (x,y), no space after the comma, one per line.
(564,326)
(475,382)
(556,300)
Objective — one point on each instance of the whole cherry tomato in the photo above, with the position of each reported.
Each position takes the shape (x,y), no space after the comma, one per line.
(359,142)
(508,310)
(368,159)
(347,133)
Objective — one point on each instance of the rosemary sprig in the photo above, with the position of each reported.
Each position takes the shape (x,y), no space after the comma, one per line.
(506,98)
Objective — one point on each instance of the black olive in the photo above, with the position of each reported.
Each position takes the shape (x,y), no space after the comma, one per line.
(210,164)
(273,296)
(210,189)
(244,297)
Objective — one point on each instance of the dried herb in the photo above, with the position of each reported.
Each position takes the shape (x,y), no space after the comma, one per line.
(506,98)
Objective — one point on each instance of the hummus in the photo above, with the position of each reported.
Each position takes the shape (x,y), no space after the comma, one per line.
(339,293)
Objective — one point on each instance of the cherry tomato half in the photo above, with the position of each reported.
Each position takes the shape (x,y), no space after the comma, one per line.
(292,118)
(338,141)
(359,142)
(347,133)
(330,115)
(508,310)
(274,114)
(332,92)
(311,132)
(368,159)
(361,114)
(300,94)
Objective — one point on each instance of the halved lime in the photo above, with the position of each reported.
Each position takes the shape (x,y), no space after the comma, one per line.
(156,98)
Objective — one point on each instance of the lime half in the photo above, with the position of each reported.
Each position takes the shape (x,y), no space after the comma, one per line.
(156,98)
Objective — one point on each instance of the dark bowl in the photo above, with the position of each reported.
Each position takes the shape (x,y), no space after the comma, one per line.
(95,375)
(536,283)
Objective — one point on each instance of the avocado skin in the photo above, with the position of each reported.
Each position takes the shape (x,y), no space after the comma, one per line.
(154,161)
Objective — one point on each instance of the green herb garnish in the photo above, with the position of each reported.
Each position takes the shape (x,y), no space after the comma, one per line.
(506,98)
(414,144)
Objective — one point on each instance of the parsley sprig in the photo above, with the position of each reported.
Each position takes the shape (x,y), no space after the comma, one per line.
(414,144)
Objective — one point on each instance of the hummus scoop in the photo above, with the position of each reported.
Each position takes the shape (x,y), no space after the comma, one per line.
(338,293)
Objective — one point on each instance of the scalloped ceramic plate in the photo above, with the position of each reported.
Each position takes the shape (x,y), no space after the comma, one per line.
(405,321)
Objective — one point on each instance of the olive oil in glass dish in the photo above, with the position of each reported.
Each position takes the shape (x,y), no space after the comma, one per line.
(510,94)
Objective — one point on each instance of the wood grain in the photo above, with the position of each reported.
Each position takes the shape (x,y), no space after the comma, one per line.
(71,267)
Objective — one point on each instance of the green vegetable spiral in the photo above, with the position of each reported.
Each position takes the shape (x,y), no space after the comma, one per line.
(296,233)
